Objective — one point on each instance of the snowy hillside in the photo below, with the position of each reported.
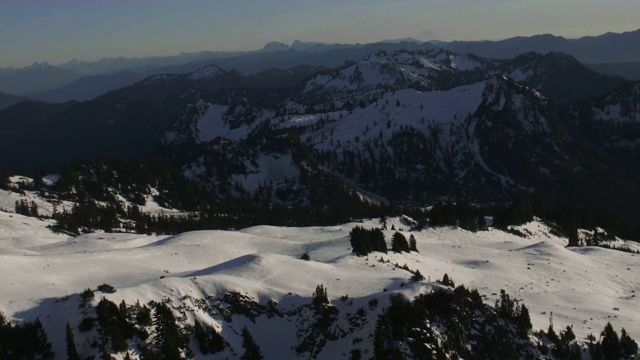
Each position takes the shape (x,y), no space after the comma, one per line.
(619,106)
(422,144)
(195,272)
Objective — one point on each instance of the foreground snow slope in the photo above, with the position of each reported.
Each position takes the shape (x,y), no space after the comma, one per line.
(584,287)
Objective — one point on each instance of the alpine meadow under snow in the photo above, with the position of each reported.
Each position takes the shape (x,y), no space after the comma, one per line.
(44,273)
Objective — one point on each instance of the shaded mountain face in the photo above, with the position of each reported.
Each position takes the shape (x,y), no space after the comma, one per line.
(7,100)
(606,48)
(396,126)
(90,87)
(402,126)
(128,122)
(628,70)
(560,76)
(35,78)
(612,123)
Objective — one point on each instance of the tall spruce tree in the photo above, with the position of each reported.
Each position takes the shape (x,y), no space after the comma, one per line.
(201,337)
(251,349)
(169,342)
(413,246)
(72,351)
(611,349)
(629,346)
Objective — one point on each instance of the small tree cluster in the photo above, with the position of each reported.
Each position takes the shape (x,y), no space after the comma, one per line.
(320,297)
(87,295)
(26,208)
(417,276)
(27,340)
(365,241)
(611,346)
(115,327)
(511,309)
(106,288)
(460,214)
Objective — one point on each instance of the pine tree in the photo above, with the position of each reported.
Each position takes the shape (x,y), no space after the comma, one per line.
(72,351)
(42,346)
(417,276)
(412,243)
(216,341)
(629,346)
(524,321)
(169,339)
(610,344)
(399,243)
(384,346)
(320,296)
(378,243)
(252,350)
(201,338)
(446,280)
(505,306)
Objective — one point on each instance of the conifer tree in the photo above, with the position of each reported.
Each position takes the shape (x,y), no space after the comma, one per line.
(320,296)
(251,349)
(610,344)
(412,243)
(169,340)
(209,341)
(524,321)
(72,351)
(446,280)
(378,243)
(384,346)
(629,346)
(399,243)
(42,346)
(417,276)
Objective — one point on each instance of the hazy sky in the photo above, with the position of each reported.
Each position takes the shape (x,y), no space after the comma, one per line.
(59,30)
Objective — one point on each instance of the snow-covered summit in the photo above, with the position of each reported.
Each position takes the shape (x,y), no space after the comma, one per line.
(207,72)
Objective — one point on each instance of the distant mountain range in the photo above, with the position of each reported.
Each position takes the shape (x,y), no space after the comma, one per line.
(398,125)
(606,48)
(80,81)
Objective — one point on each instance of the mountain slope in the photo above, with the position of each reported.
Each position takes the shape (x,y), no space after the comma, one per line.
(89,87)
(406,126)
(408,144)
(127,122)
(7,100)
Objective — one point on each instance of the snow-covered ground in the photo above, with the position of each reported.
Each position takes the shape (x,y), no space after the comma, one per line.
(584,287)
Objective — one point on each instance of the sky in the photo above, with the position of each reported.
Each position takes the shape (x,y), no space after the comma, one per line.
(60,30)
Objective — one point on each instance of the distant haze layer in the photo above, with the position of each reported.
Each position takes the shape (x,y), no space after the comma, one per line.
(42,30)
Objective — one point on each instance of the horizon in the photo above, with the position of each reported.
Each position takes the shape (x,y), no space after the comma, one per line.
(57,32)
(288,43)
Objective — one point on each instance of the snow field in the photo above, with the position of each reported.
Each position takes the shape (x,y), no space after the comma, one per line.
(584,287)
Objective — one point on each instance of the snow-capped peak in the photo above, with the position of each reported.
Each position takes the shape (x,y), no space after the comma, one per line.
(207,72)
